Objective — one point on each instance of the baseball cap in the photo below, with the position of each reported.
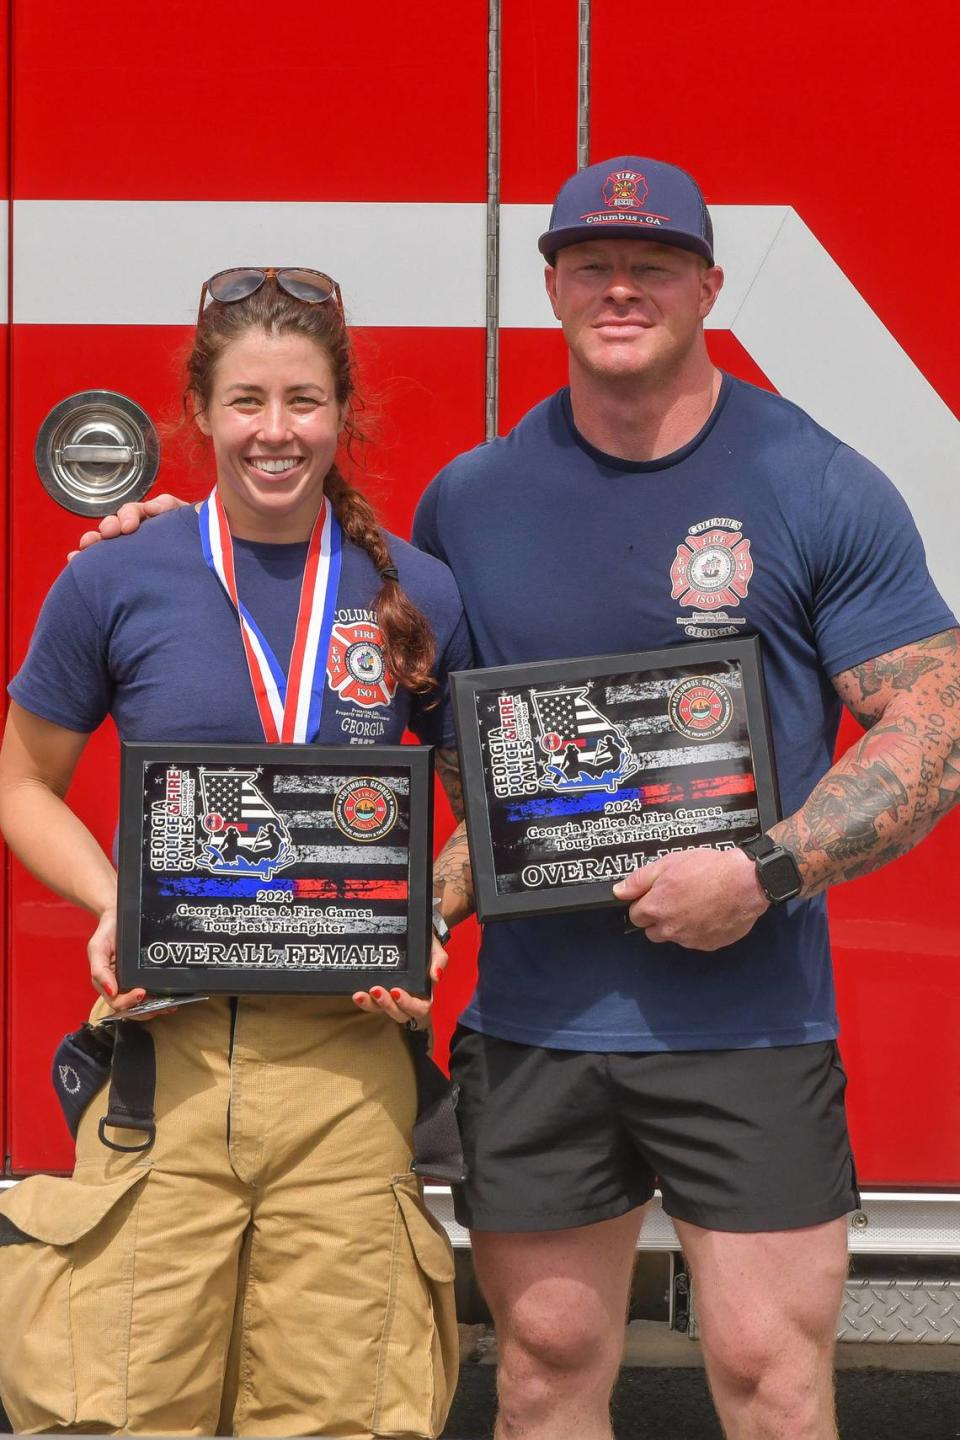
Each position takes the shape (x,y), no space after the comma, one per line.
(630,195)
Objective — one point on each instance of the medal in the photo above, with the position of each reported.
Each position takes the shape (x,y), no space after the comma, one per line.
(289,706)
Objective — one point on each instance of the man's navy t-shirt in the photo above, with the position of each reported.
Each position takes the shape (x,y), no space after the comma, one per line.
(142,630)
(560,550)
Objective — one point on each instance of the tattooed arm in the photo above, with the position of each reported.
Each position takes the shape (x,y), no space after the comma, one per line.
(875,804)
(452,881)
(891,788)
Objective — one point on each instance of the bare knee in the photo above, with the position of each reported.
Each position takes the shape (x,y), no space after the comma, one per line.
(547,1357)
(779,1370)
(799,1340)
(560,1343)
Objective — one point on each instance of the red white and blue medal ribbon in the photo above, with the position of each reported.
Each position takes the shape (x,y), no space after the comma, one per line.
(290,706)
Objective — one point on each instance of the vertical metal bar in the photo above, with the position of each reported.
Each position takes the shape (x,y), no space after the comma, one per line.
(6,524)
(492,378)
(583,87)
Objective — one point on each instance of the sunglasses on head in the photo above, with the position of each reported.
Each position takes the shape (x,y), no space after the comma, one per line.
(310,286)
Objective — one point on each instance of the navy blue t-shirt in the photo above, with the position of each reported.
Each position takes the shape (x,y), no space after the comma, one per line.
(142,630)
(764,524)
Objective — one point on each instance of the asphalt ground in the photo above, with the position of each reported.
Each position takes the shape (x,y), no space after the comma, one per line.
(653,1404)
(884,1392)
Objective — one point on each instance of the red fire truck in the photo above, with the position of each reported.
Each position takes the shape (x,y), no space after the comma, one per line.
(413,153)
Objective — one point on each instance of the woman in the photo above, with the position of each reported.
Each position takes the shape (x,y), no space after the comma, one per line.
(268,1267)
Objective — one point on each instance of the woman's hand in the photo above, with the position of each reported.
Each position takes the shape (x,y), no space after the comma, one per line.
(399,1004)
(102,955)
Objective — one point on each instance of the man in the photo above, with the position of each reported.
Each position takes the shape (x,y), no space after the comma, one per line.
(653,500)
(656,501)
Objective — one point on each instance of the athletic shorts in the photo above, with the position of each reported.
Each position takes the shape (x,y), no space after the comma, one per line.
(744,1140)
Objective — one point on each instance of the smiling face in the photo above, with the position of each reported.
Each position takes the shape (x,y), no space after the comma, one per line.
(630,308)
(274,421)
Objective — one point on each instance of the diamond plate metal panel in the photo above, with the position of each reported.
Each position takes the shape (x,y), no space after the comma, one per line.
(925,1312)
(903,1312)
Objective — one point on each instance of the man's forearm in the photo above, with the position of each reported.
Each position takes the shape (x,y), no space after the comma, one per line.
(452,878)
(889,790)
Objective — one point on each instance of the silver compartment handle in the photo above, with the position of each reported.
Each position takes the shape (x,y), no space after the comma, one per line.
(98,454)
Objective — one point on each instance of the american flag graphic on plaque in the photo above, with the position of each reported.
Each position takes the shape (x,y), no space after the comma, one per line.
(591,752)
(245,834)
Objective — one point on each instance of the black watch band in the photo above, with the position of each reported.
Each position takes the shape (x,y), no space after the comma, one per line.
(440,928)
(777,870)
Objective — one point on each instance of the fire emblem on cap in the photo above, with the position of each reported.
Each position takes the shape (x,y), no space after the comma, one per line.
(625,188)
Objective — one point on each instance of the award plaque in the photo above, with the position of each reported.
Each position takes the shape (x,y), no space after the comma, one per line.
(577,771)
(279,868)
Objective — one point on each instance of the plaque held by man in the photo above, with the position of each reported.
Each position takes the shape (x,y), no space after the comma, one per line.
(577,771)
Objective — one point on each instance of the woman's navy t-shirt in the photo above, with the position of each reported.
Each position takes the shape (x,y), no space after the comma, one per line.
(142,630)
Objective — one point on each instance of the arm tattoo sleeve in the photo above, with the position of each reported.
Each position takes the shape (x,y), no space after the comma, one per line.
(891,788)
(448,771)
(452,879)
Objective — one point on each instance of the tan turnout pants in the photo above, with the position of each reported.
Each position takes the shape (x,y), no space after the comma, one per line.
(268,1268)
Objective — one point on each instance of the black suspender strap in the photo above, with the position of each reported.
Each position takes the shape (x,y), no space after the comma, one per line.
(437,1151)
(133,1084)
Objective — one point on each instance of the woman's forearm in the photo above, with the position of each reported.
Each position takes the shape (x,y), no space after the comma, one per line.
(37,761)
(45,834)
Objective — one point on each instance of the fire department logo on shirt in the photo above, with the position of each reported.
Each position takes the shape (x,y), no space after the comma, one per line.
(700,707)
(625,189)
(365,809)
(356,668)
(713,566)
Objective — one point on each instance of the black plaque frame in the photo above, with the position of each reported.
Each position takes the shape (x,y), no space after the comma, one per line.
(687,660)
(412,761)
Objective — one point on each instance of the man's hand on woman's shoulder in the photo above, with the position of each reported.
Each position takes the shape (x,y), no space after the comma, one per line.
(126,520)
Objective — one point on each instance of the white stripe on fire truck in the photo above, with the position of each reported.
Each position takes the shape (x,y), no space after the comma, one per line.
(88,262)
(142,262)
(4,271)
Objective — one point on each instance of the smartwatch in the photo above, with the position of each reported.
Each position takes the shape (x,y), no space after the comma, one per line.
(777,870)
(440,928)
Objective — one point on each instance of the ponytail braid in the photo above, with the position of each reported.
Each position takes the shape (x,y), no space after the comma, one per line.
(409,646)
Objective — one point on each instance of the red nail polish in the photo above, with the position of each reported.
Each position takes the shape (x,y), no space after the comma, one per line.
(395,994)
(376,992)
(110,989)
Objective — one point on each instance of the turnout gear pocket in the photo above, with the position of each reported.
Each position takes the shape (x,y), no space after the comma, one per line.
(66,1286)
(419,1351)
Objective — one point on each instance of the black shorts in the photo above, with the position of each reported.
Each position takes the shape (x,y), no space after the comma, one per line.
(745,1140)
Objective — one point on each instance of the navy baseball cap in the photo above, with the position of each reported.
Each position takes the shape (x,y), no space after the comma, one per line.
(633,196)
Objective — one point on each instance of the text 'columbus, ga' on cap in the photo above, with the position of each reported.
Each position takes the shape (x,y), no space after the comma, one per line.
(630,196)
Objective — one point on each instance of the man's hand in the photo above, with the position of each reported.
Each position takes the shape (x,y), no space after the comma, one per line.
(126,520)
(701,899)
